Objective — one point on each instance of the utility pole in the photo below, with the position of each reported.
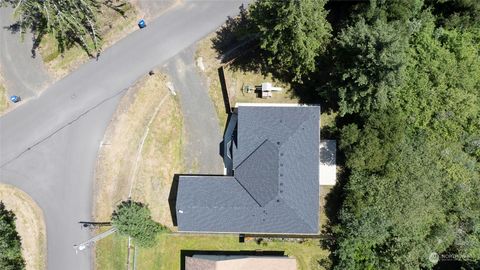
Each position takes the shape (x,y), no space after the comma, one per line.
(92,240)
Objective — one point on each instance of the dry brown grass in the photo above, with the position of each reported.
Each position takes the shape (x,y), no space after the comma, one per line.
(3,97)
(30,225)
(159,158)
(235,81)
(147,110)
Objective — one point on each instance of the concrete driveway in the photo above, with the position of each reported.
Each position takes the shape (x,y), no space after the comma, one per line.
(48,146)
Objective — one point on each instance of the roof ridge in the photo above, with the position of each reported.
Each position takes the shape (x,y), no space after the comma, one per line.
(251,153)
(299,217)
(298,129)
(244,160)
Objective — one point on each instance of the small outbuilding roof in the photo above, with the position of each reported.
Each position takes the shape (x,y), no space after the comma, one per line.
(275,183)
(215,262)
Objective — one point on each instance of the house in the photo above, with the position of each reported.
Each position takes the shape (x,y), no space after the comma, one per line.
(236,262)
(272,185)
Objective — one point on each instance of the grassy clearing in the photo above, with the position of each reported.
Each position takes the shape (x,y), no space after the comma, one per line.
(235,81)
(30,225)
(111,252)
(166,254)
(114,26)
(160,158)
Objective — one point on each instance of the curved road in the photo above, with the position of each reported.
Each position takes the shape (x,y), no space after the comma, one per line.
(48,146)
(27,76)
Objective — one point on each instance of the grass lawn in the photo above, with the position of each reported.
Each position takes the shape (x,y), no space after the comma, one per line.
(113,27)
(235,81)
(166,254)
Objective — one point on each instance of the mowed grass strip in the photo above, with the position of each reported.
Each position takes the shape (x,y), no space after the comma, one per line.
(166,255)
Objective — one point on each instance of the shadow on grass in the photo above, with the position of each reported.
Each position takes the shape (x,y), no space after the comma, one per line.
(238,46)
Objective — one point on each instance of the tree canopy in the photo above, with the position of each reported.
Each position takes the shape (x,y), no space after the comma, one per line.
(10,245)
(406,79)
(413,178)
(134,219)
(70,21)
(292,33)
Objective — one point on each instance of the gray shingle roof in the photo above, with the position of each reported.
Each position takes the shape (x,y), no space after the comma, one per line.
(275,186)
(258,173)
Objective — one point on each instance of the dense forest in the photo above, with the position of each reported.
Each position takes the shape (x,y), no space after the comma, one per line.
(10,247)
(403,78)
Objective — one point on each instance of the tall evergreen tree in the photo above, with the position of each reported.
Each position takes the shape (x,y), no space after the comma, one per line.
(292,33)
(414,174)
(70,21)
(370,60)
(10,246)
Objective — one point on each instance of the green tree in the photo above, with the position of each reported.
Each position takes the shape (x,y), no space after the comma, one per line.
(10,246)
(412,142)
(134,219)
(408,194)
(370,64)
(70,21)
(292,33)
(394,9)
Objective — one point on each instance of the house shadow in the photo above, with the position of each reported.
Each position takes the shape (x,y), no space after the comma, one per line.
(172,199)
(223,84)
(189,253)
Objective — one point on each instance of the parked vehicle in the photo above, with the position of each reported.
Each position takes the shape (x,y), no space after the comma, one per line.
(142,24)
(15,99)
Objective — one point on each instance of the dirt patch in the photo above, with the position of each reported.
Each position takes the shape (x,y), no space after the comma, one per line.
(30,225)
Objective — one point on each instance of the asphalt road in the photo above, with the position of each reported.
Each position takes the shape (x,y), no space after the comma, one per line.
(24,76)
(202,149)
(48,146)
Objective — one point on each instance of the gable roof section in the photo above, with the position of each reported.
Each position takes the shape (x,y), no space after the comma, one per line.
(258,173)
(275,183)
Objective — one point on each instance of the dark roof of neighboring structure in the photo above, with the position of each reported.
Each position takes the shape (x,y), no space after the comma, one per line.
(275,182)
